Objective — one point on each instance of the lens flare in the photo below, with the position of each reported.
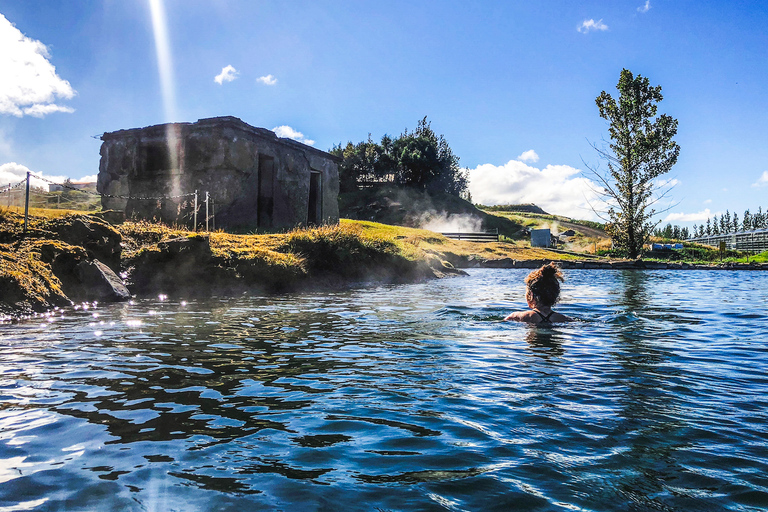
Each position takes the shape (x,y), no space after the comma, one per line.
(165,70)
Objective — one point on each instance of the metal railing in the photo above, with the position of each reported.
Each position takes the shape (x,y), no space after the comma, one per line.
(747,241)
(480,236)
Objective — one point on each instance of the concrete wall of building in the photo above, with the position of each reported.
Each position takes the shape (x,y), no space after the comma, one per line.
(255,179)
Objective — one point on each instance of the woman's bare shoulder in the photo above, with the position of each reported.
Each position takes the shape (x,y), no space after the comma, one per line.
(522,316)
(558,318)
(533,317)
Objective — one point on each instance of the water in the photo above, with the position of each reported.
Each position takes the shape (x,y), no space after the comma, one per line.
(411,397)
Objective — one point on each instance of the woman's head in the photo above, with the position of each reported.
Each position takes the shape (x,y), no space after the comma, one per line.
(544,285)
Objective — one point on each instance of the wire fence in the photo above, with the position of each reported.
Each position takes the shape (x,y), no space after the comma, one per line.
(9,193)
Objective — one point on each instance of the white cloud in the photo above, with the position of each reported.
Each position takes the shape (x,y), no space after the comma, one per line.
(287,131)
(688,217)
(13,173)
(707,201)
(30,84)
(762,180)
(267,80)
(6,148)
(43,110)
(528,156)
(228,73)
(645,7)
(590,25)
(555,188)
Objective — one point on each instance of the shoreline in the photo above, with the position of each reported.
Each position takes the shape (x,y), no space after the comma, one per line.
(617,265)
(77,258)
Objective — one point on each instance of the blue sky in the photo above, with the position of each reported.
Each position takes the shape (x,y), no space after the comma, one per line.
(511,85)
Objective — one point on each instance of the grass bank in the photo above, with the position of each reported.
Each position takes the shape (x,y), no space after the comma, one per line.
(37,266)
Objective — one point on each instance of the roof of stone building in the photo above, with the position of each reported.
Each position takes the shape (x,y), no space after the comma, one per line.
(223,121)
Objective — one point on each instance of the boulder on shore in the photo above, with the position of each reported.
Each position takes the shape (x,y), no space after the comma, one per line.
(99,282)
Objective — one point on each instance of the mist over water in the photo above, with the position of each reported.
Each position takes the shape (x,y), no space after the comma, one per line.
(409,397)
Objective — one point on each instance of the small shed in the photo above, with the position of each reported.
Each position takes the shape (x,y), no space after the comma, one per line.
(541,238)
(253,178)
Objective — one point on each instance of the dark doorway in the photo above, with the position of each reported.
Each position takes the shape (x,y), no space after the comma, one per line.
(314,210)
(266,197)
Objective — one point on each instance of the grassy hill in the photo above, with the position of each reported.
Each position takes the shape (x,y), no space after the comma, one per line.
(584,236)
(445,213)
(436,212)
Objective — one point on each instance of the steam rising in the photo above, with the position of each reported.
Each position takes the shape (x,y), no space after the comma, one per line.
(451,223)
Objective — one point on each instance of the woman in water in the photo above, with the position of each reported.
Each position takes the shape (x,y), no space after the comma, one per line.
(543,291)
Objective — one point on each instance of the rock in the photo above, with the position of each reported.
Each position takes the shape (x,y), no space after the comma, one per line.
(498,263)
(97,237)
(530,263)
(178,264)
(623,265)
(196,248)
(114,217)
(100,283)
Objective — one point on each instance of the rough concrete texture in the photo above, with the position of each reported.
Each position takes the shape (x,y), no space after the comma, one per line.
(255,179)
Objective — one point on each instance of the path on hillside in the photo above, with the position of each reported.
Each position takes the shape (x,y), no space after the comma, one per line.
(585,230)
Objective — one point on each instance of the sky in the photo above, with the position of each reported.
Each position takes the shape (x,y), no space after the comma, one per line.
(511,85)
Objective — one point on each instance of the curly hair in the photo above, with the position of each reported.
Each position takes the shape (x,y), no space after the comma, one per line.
(543,284)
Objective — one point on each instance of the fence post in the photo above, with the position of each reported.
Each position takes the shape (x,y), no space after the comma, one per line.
(206,211)
(26,207)
(194,222)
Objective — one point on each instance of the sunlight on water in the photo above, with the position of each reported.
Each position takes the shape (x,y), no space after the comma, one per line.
(412,397)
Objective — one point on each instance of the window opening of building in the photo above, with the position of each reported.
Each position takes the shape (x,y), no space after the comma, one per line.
(156,158)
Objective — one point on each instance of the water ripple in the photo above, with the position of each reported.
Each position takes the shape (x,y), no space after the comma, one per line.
(398,397)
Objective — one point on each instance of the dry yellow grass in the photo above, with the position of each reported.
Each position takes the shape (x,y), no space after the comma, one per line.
(430,242)
(48,213)
(411,243)
(351,248)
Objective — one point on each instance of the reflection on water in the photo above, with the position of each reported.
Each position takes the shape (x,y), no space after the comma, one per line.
(406,397)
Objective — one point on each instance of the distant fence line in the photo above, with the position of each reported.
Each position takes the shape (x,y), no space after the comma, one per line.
(748,241)
(208,203)
(480,236)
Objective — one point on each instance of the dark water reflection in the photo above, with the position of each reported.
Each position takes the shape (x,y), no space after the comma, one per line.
(396,398)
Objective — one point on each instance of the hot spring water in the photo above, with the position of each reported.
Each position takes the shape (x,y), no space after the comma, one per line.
(409,397)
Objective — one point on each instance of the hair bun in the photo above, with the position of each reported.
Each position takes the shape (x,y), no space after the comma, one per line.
(549,270)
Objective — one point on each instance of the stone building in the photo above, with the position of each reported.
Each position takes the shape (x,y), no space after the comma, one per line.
(255,179)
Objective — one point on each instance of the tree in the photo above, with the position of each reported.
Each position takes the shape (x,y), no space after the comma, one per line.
(695,231)
(746,222)
(759,220)
(735,222)
(718,227)
(685,234)
(709,228)
(419,159)
(641,149)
